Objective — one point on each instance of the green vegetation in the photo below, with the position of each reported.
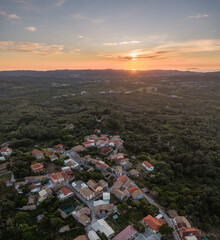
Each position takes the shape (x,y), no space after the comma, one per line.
(180,134)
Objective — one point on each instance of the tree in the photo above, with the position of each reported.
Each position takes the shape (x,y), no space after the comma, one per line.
(166,230)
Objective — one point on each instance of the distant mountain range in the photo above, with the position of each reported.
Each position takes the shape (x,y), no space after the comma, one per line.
(102,73)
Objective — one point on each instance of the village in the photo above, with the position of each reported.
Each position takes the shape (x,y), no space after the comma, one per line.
(98,189)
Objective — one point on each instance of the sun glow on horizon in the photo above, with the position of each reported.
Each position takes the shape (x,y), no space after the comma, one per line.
(133,69)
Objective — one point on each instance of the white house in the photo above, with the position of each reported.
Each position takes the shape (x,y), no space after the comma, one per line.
(6,151)
(147,166)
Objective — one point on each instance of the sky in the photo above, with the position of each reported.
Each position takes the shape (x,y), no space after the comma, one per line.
(116,34)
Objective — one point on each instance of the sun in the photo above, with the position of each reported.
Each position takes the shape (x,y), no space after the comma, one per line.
(133,55)
(133,69)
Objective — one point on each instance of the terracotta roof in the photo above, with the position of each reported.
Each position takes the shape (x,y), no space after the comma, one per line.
(189,231)
(125,234)
(5,149)
(147,164)
(153,223)
(37,166)
(132,189)
(106,150)
(57,176)
(65,190)
(122,178)
(102,165)
(58,146)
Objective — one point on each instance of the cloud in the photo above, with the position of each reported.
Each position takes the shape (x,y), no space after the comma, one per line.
(60,3)
(198,16)
(31,47)
(31,29)
(169,50)
(79,16)
(120,43)
(80,36)
(13,16)
(9,16)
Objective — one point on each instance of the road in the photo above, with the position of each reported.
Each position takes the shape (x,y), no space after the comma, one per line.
(166,218)
(90,203)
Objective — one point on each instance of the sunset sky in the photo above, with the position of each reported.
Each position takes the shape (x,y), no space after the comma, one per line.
(117,34)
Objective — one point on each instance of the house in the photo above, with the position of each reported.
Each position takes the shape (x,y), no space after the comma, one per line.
(111,143)
(59,177)
(78,148)
(53,157)
(125,163)
(78,185)
(65,192)
(136,193)
(71,163)
(184,233)
(105,151)
(147,166)
(87,193)
(31,200)
(6,151)
(127,234)
(122,195)
(35,187)
(88,144)
(102,210)
(37,167)
(83,189)
(59,147)
(180,222)
(133,173)
(37,154)
(97,131)
(32,179)
(101,165)
(92,235)
(81,237)
(81,214)
(106,196)
(102,226)
(65,228)
(153,223)
(103,183)
(29,207)
(103,138)
(119,156)
(44,193)
(94,186)
(118,170)
(2,158)
(67,170)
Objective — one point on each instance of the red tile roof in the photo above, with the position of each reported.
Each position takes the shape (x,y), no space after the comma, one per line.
(102,165)
(58,146)
(5,149)
(189,231)
(122,178)
(153,223)
(132,189)
(126,234)
(37,167)
(147,164)
(65,190)
(57,176)
(36,152)
(106,150)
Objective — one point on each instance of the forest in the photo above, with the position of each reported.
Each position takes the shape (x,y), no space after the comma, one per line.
(173,117)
